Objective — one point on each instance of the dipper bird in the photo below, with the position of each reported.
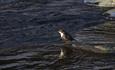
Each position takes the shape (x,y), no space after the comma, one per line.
(65,36)
(71,44)
(66,50)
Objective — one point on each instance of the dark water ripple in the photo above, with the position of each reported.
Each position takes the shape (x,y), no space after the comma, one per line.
(32,21)
(33,25)
(37,57)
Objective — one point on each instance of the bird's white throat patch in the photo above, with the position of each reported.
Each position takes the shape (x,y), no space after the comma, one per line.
(62,35)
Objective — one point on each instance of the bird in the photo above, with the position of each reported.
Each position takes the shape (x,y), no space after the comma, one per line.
(66,50)
(70,45)
(66,37)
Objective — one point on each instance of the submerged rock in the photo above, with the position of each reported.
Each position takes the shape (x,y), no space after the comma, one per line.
(110,14)
(99,39)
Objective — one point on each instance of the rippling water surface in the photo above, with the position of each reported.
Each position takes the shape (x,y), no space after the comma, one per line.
(29,30)
(38,21)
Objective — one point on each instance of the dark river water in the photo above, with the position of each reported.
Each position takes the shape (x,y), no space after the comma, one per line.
(36,22)
(28,32)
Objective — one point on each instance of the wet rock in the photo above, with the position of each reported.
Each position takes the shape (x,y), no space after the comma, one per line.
(100,37)
(110,14)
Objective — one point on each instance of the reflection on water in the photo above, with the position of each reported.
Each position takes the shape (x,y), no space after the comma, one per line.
(40,57)
(30,24)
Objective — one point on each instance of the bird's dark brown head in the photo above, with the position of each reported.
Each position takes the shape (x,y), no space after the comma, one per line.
(66,37)
(61,30)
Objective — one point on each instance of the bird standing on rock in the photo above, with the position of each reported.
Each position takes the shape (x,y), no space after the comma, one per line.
(66,50)
(65,36)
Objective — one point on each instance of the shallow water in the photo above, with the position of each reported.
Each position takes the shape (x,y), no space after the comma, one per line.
(42,57)
(36,22)
(29,31)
